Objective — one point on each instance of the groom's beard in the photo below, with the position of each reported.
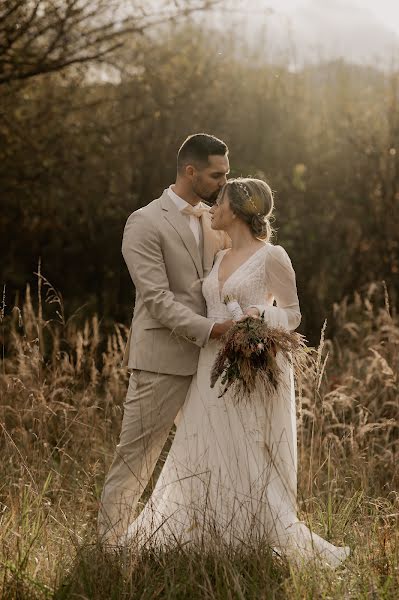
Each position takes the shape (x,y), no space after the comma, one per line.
(209,198)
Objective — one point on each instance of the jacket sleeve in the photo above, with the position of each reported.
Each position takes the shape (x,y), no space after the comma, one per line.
(281,284)
(142,252)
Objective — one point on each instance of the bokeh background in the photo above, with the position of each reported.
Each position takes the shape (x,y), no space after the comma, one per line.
(96,98)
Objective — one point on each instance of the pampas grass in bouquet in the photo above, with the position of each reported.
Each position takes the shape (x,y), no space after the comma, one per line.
(249,355)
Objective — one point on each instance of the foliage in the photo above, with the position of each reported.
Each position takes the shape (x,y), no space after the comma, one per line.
(46,36)
(89,131)
(78,154)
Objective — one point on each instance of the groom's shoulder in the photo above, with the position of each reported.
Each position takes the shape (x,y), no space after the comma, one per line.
(150,208)
(148,212)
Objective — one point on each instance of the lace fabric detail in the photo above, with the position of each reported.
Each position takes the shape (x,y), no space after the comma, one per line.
(247,284)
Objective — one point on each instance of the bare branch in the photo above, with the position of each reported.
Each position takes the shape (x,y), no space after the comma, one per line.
(43,36)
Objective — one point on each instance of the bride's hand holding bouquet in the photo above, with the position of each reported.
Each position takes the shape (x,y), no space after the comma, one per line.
(249,353)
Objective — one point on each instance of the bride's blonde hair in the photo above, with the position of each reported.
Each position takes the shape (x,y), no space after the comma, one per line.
(252,201)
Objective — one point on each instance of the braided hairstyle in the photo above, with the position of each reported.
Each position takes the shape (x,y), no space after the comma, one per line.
(252,201)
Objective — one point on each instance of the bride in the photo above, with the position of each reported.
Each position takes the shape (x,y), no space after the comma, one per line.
(230,475)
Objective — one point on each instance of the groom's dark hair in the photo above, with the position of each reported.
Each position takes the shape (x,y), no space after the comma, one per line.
(197,148)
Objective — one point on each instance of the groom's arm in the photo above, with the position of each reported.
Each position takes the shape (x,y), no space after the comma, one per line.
(142,252)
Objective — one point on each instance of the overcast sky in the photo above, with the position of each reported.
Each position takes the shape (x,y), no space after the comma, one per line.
(386,11)
(363,31)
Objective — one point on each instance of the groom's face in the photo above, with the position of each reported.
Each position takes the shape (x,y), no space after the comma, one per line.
(208,181)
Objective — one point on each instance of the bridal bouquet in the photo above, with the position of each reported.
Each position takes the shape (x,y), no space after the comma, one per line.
(248,356)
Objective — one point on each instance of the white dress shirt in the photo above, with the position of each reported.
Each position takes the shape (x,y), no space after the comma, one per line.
(194,222)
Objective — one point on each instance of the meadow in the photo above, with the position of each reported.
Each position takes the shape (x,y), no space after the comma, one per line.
(62,391)
(92,113)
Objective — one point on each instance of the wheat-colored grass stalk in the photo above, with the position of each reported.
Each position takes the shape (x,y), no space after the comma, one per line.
(60,418)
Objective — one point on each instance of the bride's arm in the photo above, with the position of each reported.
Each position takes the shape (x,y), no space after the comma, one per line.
(281,284)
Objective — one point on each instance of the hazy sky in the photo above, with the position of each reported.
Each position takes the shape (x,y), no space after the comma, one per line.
(361,31)
(386,11)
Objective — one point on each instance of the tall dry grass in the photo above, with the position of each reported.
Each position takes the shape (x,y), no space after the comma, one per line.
(62,391)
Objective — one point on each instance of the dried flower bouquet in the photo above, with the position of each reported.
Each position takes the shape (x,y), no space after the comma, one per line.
(249,355)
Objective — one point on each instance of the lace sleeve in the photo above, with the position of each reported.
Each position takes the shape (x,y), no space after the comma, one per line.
(281,283)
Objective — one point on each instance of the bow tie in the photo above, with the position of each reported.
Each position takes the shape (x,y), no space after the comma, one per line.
(194,211)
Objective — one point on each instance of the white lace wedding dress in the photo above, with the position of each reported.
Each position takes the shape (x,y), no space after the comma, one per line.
(230,475)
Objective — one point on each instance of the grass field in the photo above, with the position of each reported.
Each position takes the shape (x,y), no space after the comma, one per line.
(62,392)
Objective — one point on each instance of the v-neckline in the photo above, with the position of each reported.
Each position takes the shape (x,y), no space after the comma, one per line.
(235,270)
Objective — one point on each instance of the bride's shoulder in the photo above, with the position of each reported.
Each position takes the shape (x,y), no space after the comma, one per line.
(278,255)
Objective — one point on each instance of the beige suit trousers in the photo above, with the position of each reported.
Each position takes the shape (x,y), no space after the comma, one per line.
(152,403)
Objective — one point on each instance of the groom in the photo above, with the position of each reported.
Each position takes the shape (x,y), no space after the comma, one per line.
(169,247)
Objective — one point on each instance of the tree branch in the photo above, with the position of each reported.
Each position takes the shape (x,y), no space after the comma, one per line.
(43,36)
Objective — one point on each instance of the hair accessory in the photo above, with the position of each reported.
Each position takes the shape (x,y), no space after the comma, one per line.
(248,195)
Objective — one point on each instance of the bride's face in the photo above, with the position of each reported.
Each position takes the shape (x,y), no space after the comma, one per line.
(222,216)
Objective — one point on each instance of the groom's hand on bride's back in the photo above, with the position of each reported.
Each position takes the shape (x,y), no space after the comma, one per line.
(220,329)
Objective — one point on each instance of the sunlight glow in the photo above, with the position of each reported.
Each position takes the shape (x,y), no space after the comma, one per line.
(385,11)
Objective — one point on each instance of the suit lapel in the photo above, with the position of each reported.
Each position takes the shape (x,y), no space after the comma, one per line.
(180,224)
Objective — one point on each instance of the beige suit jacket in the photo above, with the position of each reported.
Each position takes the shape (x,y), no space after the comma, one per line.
(169,325)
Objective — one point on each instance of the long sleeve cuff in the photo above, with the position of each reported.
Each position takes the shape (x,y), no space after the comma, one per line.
(274,316)
(209,334)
